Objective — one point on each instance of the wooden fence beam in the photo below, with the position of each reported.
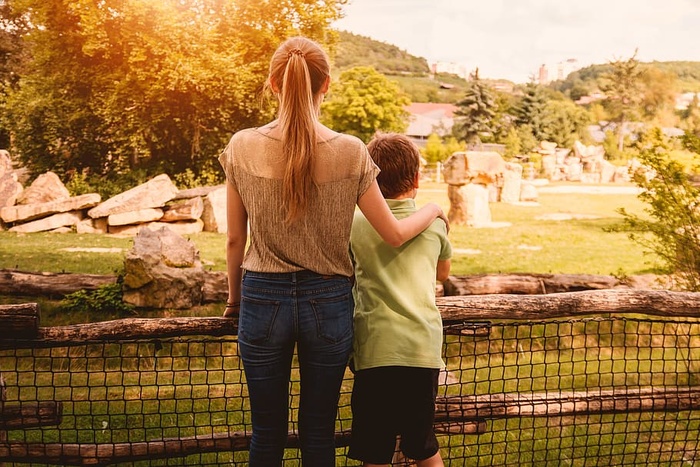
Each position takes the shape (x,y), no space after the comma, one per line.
(19,415)
(570,305)
(101,454)
(455,310)
(125,329)
(493,406)
(19,321)
(484,284)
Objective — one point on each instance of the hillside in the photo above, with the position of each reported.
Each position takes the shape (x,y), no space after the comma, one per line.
(586,79)
(354,50)
(410,72)
(414,76)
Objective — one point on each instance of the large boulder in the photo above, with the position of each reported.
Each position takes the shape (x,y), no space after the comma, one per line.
(214,211)
(155,193)
(57,221)
(10,187)
(10,190)
(45,188)
(28,212)
(163,270)
(481,167)
(189,209)
(512,180)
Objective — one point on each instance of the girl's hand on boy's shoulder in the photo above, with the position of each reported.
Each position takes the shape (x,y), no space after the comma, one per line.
(443,216)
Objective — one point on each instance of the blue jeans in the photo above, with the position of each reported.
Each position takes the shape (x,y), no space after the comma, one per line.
(315,313)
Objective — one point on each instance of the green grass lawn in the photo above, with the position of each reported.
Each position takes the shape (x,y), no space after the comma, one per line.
(528,245)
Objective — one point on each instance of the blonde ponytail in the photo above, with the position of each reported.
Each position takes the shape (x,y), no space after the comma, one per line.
(300,69)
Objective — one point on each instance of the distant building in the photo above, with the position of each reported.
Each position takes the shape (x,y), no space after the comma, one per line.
(450,68)
(684,100)
(590,98)
(427,118)
(558,71)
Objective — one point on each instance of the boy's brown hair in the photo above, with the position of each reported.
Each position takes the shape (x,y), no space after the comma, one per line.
(399,160)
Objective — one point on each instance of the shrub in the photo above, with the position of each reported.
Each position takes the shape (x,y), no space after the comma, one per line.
(671,227)
(105,300)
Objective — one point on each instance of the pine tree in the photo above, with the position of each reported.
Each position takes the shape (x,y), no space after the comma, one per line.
(532,112)
(476,113)
(623,87)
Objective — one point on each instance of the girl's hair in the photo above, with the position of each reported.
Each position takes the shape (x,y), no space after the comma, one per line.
(298,71)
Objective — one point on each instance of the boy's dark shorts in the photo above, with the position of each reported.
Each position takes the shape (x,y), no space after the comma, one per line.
(391,401)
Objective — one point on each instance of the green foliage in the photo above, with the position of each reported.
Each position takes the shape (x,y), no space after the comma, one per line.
(692,142)
(476,112)
(429,89)
(364,101)
(671,227)
(436,150)
(691,117)
(612,151)
(528,142)
(209,174)
(107,185)
(566,122)
(659,90)
(531,111)
(105,300)
(623,88)
(118,85)
(687,76)
(514,145)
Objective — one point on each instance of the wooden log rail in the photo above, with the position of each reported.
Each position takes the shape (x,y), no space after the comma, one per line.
(20,320)
(20,415)
(104,454)
(550,404)
(49,284)
(455,310)
(455,414)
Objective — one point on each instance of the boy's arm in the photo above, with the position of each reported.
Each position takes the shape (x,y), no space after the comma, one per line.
(443,270)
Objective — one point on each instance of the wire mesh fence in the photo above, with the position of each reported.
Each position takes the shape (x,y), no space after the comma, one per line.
(582,392)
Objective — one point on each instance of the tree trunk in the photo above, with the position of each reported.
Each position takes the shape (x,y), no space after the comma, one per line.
(50,284)
(531,284)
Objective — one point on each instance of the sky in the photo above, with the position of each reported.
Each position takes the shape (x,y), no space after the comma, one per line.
(510,39)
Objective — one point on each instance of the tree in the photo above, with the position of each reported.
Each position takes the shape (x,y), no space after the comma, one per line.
(531,112)
(658,98)
(437,150)
(622,86)
(434,150)
(13,56)
(691,116)
(364,101)
(670,226)
(118,85)
(476,112)
(566,122)
(513,144)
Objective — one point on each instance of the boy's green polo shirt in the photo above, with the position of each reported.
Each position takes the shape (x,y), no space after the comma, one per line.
(396,320)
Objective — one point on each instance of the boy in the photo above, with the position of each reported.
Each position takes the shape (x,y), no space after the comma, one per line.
(397,349)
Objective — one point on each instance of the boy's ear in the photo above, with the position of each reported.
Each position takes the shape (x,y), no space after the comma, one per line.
(416,179)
